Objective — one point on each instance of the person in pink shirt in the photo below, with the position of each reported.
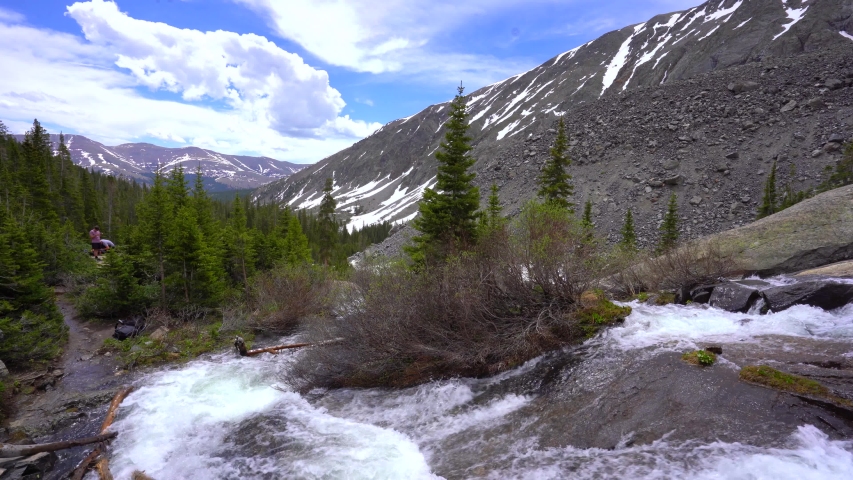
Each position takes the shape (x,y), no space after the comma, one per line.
(95,237)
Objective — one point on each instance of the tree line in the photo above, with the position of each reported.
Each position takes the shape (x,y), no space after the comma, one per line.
(177,246)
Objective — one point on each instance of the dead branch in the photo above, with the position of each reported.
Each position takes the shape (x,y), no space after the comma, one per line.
(240,345)
(103,464)
(8,451)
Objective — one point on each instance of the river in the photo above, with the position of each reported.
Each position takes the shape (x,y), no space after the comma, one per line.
(623,405)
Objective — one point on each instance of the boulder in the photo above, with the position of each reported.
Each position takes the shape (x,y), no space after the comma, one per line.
(812,233)
(788,106)
(833,83)
(733,297)
(4,372)
(815,103)
(159,334)
(701,294)
(740,87)
(825,294)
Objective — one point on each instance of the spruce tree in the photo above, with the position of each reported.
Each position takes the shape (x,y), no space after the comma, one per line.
(327,223)
(554,183)
(586,219)
(669,227)
(155,227)
(768,201)
(448,213)
(296,249)
(629,236)
(492,219)
(240,254)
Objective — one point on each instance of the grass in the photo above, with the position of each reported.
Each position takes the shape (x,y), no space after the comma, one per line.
(600,314)
(180,344)
(770,377)
(700,358)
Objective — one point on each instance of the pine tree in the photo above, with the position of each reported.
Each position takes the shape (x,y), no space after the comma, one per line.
(586,221)
(554,183)
(492,219)
(328,225)
(629,236)
(155,228)
(669,227)
(769,200)
(240,254)
(448,213)
(295,245)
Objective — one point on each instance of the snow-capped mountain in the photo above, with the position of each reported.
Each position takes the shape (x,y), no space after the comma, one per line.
(383,176)
(141,160)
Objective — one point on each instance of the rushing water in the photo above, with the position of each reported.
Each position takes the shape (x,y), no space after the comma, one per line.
(226,417)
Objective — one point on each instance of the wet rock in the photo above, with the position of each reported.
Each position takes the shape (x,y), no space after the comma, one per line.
(825,294)
(733,297)
(31,468)
(701,294)
(715,350)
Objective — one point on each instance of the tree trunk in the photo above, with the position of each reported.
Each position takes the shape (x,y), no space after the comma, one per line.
(8,451)
(103,464)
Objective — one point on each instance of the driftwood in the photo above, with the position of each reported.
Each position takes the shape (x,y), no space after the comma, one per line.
(240,345)
(7,451)
(102,464)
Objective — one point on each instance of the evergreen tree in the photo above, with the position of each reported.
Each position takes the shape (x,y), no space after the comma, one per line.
(296,249)
(669,227)
(176,188)
(491,218)
(586,220)
(768,201)
(240,253)
(328,225)
(629,236)
(155,228)
(554,183)
(843,173)
(448,213)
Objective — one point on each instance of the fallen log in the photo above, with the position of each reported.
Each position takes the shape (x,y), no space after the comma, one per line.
(8,451)
(240,345)
(102,464)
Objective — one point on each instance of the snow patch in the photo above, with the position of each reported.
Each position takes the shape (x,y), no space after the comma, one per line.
(619,60)
(846,35)
(723,12)
(742,23)
(794,14)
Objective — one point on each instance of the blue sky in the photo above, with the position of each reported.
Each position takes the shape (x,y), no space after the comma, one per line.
(295,80)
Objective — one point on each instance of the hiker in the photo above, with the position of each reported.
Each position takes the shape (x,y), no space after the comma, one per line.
(108,245)
(97,245)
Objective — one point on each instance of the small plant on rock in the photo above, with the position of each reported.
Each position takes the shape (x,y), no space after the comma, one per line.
(701,358)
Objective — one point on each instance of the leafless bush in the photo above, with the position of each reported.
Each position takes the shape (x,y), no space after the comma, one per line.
(477,313)
(283,296)
(691,264)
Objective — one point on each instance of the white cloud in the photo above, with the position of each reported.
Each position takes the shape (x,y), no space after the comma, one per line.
(229,92)
(10,16)
(388,36)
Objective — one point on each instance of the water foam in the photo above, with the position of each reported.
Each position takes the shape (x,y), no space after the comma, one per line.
(681,327)
(809,453)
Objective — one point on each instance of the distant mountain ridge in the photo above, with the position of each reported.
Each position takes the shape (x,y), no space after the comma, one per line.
(382,177)
(141,160)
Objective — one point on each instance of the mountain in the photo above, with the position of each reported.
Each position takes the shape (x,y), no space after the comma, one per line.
(141,160)
(649,111)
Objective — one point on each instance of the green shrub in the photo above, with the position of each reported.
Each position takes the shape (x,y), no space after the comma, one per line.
(32,339)
(604,312)
(701,358)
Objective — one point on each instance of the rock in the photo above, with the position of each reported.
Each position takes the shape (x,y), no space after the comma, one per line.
(732,155)
(655,183)
(674,180)
(32,467)
(830,147)
(836,137)
(701,294)
(788,106)
(4,372)
(733,297)
(825,294)
(721,167)
(745,198)
(714,349)
(815,103)
(671,164)
(833,83)
(812,233)
(740,87)
(839,269)
(817,153)
(159,334)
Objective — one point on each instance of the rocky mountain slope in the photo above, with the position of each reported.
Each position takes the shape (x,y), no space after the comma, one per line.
(648,109)
(141,160)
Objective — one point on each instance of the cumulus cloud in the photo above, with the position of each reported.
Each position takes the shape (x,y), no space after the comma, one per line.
(10,16)
(235,93)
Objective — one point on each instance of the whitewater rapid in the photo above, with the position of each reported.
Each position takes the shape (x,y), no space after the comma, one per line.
(192,421)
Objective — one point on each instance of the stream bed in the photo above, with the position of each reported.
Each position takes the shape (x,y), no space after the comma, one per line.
(622,405)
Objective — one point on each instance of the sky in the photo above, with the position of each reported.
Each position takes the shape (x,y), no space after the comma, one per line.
(295,80)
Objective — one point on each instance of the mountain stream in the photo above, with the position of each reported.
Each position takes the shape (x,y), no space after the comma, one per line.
(622,405)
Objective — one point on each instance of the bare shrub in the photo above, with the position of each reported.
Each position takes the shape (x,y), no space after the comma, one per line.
(475,314)
(691,264)
(281,297)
